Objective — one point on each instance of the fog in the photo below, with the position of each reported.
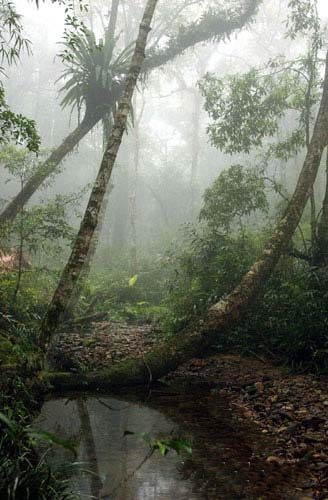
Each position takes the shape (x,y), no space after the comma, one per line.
(168,181)
(166,160)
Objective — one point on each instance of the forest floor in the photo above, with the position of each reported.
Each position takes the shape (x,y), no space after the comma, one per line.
(103,343)
(290,408)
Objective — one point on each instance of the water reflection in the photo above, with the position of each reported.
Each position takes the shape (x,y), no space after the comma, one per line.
(115,472)
(225,464)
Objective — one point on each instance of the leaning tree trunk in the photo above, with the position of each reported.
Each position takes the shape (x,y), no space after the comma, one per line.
(89,448)
(85,271)
(320,255)
(89,223)
(133,190)
(195,138)
(113,17)
(47,168)
(229,310)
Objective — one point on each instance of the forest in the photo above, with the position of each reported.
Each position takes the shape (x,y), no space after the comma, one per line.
(164,249)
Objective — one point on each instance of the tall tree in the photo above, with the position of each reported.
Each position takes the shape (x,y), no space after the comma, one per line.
(134,188)
(320,250)
(215,24)
(89,223)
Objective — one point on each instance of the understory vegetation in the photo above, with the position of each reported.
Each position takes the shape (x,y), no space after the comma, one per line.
(24,472)
(174,289)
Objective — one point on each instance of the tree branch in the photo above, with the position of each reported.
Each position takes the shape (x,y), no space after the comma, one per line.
(215,24)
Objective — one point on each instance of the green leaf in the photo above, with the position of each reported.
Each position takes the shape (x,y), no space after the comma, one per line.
(9,423)
(162,447)
(143,435)
(180,445)
(50,438)
(133,280)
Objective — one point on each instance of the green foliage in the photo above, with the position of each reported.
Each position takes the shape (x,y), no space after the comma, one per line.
(40,226)
(303,20)
(286,149)
(45,226)
(74,28)
(247,111)
(214,257)
(107,289)
(244,108)
(209,265)
(133,280)
(236,193)
(39,229)
(163,445)
(19,162)
(12,41)
(294,314)
(289,321)
(27,433)
(122,297)
(36,291)
(18,345)
(16,127)
(13,127)
(24,474)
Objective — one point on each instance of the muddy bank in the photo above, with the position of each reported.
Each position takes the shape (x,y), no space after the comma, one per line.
(291,410)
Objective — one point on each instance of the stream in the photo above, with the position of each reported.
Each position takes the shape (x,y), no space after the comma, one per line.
(225,464)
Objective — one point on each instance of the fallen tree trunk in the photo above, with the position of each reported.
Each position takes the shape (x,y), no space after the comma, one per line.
(90,318)
(226,313)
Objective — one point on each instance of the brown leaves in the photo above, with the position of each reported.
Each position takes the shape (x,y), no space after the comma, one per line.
(106,343)
(292,409)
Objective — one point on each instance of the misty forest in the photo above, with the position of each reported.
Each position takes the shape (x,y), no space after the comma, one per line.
(164,249)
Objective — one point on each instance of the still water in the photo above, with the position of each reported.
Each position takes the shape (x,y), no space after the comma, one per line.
(225,463)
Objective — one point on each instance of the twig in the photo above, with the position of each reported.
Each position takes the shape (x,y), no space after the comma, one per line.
(149,370)
(256,356)
(111,408)
(87,319)
(129,476)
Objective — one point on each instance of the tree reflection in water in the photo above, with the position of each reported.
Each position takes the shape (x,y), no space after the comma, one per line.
(226,464)
(113,461)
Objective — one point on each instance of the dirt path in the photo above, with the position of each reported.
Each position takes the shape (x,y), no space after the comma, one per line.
(102,344)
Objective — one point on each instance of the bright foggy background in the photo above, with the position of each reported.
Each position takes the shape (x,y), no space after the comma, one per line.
(176,162)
